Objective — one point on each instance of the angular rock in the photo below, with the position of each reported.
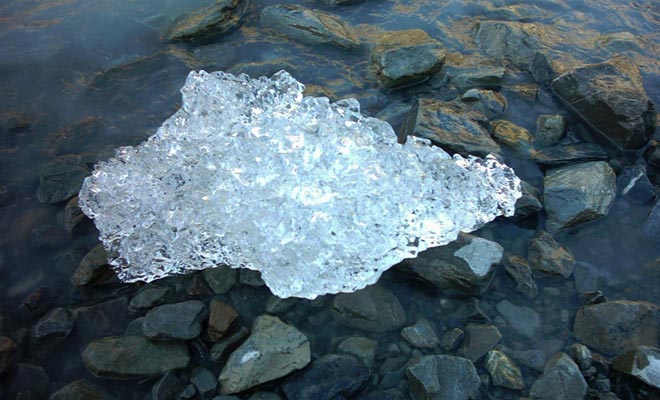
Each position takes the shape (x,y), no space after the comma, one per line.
(548,256)
(479,77)
(503,371)
(50,331)
(610,97)
(9,352)
(512,135)
(530,201)
(93,269)
(361,347)
(524,320)
(61,179)
(277,305)
(421,334)
(220,349)
(541,68)
(451,339)
(550,129)
(221,316)
(520,272)
(166,388)
(643,363)
(463,266)
(150,296)
(273,350)
(81,390)
(332,376)
(488,102)
(180,321)
(221,279)
(443,377)
(651,226)
(372,309)
(514,41)
(479,340)
(450,126)
(386,394)
(250,277)
(134,327)
(564,154)
(107,318)
(74,219)
(581,355)
(406,57)
(124,357)
(633,183)
(209,23)
(561,379)
(205,382)
(613,327)
(309,26)
(577,194)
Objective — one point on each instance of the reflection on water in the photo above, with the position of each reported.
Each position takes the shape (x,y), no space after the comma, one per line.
(84,77)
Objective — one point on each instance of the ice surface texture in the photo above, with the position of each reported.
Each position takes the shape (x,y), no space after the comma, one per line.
(316,196)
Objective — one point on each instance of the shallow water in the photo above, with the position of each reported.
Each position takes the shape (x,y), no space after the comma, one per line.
(89,76)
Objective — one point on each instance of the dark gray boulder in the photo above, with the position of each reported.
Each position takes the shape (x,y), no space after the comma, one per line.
(61,179)
(524,320)
(182,321)
(530,201)
(421,334)
(443,378)
(220,279)
(520,272)
(93,269)
(209,23)
(372,309)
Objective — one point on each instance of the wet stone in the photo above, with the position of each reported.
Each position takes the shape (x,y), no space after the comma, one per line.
(189,391)
(565,154)
(510,40)
(150,296)
(524,320)
(651,226)
(134,327)
(469,310)
(633,183)
(550,129)
(93,269)
(643,363)
(386,394)
(443,377)
(533,359)
(221,317)
(530,201)
(166,388)
(546,255)
(61,179)
(406,57)
(27,381)
(209,23)
(81,390)
(372,309)
(652,153)
(273,350)
(610,97)
(250,277)
(205,382)
(561,379)
(107,318)
(48,235)
(452,339)
(123,357)
(74,219)
(581,355)
(51,329)
(616,326)
(309,26)
(478,77)
(35,304)
(220,279)
(221,349)
(182,321)
(520,273)
(512,135)
(421,334)
(490,103)
(331,376)
(264,396)
(479,340)
(541,68)
(277,305)
(503,371)
(361,347)
(9,353)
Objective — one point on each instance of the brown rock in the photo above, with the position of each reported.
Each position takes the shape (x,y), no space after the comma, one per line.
(221,317)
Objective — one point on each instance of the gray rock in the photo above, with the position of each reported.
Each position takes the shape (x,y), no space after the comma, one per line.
(220,279)
(166,388)
(332,376)
(309,26)
(150,296)
(93,269)
(188,392)
(465,266)
(221,317)
(488,102)
(61,179)
(264,396)
(480,339)
(209,23)
(652,153)
(581,355)
(533,359)
(515,41)
(450,126)
(273,350)
(550,129)
(107,318)
(564,154)
(561,379)
(643,363)
(620,42)
(205,382)
(55,325)
(443,377)
(613,327)
(503,371)
(220,349)
(576,194)
(406,57)
(27,381)
(469,310)
(74,218)
(610,97)
(511,135)
(541,68)
(452,339)
(81,390)
(361,347)
(520,272)
(134,327)
(372,309)
(421,334)
(182,321)
(277,305)
(530,201)
(250,277)
(548,256)
(9,353)
(478,77)
(123,357)
(524,320)
(386,394)
(651,226)
(633,183)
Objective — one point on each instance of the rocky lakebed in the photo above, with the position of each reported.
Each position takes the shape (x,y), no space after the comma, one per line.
(560,301)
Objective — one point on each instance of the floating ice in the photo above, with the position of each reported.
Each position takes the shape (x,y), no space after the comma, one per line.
(316,196)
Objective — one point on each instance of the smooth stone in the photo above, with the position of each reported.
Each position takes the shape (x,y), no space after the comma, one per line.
(361,347)
(576,194)
(452,339)
(610,97)
(565,154)
(406,57)
(205,382)
(530,201)
(372,309)
(93,269)
(81,390)
(221,317)
(107,318)
(633,183)
(488,102)
(167,387)
(27,381)
(332,376)
(479,340)
(209,23)
(548,256)
(309,26)
(443,378)
(613,327)
(464,266)
(61,179)
(150,296)
(503,371)
(643,363)
(273,350)
(520,273)
(421,335)
(509,134)
(550,130)
(179,321)
(125,357)
(478,77)
(9,352)
(524,320)
(651,226)
(450,126)
(515,41)
(220,279)
(581,355)
(561,379)
(220,349)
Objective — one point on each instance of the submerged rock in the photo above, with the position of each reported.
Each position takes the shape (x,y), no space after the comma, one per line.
(512,135)
(9,352)
(480,339)
(182,321)
(220,279)
(372,309)
(61,178)
(643,363)
(361,347)
(520,272)
(93,269)
(550,129)
(573,153)
(208,23)
(530,201)
(479,77)
(503,371)
(406,57)
(443,377)
(488,102)
(548,256)
(221,317)
(515,41)
(633,183)
(651,226)
(524,320)
(80,390)
(561,379)
(421,334)
(610,97)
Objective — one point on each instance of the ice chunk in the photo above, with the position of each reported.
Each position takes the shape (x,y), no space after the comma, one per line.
(319,198)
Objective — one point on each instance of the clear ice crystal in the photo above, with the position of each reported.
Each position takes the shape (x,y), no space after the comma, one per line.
(319,198)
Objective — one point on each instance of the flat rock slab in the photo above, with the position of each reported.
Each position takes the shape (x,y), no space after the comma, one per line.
(579,193)
(617,326)
(450,126)
(515,41)
(443,377)
(643,363)
(372,309)
(273,350)
(61,179)
(125,357)
(181,321)
(565,154)
(309,26)
(610,97)
(406,57)
(480,339)
(208,23)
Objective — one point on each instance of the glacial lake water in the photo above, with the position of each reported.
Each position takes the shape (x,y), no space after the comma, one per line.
(85,77)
